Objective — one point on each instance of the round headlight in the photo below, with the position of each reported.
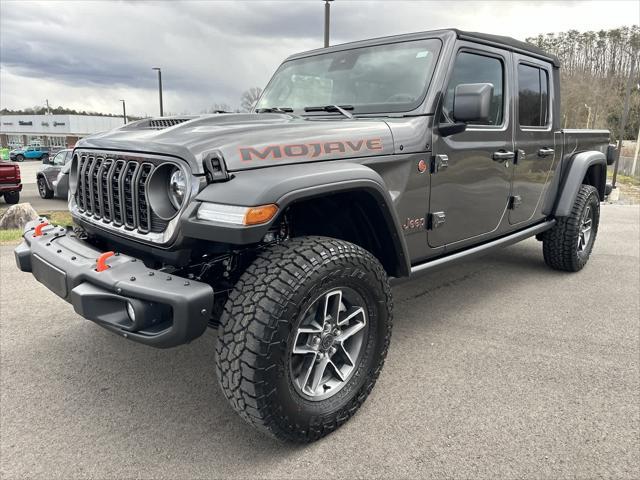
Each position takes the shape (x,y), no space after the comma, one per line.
(177,187)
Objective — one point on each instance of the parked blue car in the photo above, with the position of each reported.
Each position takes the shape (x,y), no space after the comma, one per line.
(37,153)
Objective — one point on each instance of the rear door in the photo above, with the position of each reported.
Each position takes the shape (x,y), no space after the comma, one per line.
(473,191)
(534,139)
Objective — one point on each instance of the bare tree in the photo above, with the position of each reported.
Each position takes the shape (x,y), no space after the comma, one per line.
(218,108)
(249,98)
(594,69)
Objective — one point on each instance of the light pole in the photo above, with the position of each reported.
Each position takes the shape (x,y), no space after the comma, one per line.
(589,114)
(159,88)
(327,21)
(124,112)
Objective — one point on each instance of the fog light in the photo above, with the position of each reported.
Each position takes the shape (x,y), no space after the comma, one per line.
(131,312)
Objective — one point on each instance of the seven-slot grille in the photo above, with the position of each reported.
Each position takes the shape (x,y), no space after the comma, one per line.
(114,190)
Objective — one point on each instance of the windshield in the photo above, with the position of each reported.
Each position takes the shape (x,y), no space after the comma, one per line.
(378,79)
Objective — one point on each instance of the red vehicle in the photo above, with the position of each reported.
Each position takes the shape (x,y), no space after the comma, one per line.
(10,182)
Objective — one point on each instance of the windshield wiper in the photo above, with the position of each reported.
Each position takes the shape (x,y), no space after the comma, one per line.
(332,108)
(274,110)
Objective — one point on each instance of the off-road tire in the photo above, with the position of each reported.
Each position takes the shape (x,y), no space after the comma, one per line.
(560,243)
(261,316)
(12,197)
(19,158)
(43,189)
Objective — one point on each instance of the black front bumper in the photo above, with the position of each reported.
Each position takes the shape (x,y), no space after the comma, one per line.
(168,310)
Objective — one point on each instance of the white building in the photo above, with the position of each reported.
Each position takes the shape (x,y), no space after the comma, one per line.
(61,131)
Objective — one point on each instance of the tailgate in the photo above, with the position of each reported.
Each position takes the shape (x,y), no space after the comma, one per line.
(9,173)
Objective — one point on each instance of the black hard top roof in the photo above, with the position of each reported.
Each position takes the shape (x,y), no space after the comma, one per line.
(483,38)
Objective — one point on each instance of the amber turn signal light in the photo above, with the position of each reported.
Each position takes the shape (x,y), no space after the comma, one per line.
(261,214)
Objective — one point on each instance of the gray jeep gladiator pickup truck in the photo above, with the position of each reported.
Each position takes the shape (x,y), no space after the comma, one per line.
(282,227)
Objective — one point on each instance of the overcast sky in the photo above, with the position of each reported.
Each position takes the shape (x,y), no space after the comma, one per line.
(89,54)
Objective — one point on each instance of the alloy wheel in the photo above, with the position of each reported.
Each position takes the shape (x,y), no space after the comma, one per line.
(328,344)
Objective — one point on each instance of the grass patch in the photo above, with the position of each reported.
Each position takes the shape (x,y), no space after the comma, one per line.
(10,236)
(14,235)
(61,218)
(625,179)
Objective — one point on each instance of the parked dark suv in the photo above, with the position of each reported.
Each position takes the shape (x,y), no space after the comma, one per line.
(52,178)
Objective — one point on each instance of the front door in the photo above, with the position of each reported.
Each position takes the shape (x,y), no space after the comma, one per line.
(473,191)
(534,139)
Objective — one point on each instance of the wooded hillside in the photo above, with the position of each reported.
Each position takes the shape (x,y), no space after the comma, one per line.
(595,67)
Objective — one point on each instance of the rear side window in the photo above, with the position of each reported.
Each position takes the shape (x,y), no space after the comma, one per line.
(533,96)
(474,68)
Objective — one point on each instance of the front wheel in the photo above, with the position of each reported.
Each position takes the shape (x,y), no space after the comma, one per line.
(43,188)
(303,337)
(568,245)
(20,158)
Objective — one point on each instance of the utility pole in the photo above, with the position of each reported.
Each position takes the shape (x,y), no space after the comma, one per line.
(625,115)
(48,109)
(159,88)
(124,112)
(327,21)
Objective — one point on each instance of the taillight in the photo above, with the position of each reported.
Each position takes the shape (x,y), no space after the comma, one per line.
(17,173)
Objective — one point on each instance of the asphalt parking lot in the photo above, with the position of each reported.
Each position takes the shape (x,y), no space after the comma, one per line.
(499,368)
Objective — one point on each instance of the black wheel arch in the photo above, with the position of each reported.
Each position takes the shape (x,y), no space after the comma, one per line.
(348,201)
(583,168)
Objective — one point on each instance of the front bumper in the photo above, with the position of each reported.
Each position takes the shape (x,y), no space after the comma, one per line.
(169,310)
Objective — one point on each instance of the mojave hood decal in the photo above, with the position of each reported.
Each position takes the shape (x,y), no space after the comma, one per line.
(247,141)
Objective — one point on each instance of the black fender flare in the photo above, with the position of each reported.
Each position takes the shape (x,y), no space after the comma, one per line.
(46,181)
(285,185)
(577,169)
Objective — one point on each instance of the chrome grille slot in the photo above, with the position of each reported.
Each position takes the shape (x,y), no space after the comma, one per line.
(93,186)
(144,212)
(127,195)
(113,191)
(114,188)
(103,189)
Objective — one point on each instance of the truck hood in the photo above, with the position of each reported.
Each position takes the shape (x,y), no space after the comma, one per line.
(247,141)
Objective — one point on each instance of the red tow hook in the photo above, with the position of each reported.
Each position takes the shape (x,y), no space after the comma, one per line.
(38,230)
(101,263)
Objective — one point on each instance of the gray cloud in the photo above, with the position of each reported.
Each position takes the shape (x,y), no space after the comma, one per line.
(91,53)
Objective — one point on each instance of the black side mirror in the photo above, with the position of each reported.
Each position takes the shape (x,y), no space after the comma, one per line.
(472,102)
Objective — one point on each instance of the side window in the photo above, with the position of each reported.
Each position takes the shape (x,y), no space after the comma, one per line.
(59,159)
(474,68)
(533,97)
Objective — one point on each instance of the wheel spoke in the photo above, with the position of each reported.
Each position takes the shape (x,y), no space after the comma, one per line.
(337,372)
(348,332)
(318,374)
(346,354)
(307,368)
(352,313)
(332,303)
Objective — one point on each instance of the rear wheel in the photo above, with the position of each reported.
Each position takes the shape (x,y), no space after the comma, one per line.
(568,245)
(12,197)
(303,337)
(43,188)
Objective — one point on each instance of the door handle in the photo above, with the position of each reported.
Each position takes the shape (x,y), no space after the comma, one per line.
(546,152)
(502,156)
